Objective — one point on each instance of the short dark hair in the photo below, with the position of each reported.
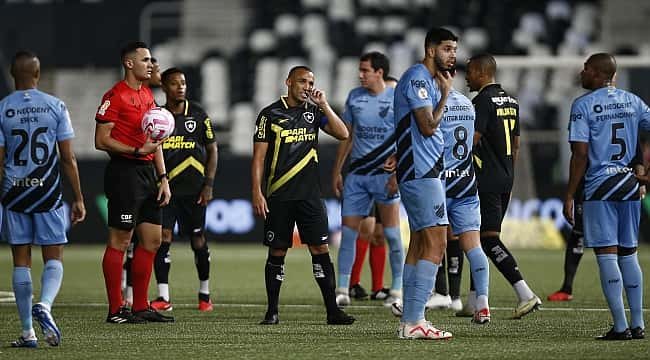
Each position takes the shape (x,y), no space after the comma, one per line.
(377,61)
(298,67)
(390,78)
(485,62)
(437,35)
(131,47)
(169,72)
(23,54)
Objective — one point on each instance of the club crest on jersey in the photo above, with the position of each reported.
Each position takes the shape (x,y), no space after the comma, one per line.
(308,116)
(422,93)
(190,125)
(104,107)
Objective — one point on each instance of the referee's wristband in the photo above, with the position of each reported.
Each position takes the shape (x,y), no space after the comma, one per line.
(163,176)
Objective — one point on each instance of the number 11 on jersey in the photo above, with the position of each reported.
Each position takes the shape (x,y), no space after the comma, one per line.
(508,126)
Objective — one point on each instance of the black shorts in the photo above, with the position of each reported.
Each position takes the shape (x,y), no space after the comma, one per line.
(493,209)
(310,216)
(131,188)
(184,210)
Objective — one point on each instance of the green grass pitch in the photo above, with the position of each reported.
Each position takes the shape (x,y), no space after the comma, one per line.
(558,331)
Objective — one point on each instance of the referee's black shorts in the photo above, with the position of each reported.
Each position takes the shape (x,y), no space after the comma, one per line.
(184,210)
(493,209)
(131,188)
(310,215)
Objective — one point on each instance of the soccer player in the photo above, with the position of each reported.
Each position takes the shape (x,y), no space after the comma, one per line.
(463,209)
(368,116)
(420,100)
(35,132)
(130,184)
(603,132)
(575,244)
(496,145)
(285,158)
(191,157)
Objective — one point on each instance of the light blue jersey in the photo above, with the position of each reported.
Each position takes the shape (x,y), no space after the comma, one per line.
(31,124)
(373,127)
(609,120)
(458,131)
(417,156)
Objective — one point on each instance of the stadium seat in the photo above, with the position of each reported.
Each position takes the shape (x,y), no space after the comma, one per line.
(243,125)
(215,95)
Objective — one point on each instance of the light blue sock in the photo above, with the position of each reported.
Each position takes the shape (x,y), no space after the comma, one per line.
(633,283)
(51,281)
(480,269)
(22,282)
(425,276)
(347,252)
(396,256)
(408,293)
(612,284)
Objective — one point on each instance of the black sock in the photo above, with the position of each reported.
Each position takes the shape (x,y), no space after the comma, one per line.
(501,258)
(162,263)
(273,277)
(127,267)
(202,261)
(454,267)
(572,256)
(324,275)
(441,278)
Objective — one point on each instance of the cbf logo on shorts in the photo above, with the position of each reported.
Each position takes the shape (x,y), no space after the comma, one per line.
(126,218)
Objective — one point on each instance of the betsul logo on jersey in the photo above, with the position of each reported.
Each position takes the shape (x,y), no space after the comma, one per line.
(158,124)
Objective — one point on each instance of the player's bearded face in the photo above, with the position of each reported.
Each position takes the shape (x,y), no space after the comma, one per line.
(445,55)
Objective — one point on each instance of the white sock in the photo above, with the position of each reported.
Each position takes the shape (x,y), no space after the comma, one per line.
(481,302)
(163,291)
(29,334)
(471,299)
(204,287)
(341,290)
(128,296)
(523,291)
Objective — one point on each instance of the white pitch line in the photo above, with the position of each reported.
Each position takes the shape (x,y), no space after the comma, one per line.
(378,306)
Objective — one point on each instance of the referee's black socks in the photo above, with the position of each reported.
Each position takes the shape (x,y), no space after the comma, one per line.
(501,258)
(455,259)
(273,276)
(324,274)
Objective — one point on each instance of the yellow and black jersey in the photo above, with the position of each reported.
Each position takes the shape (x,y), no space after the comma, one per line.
(497,119)
(185,151)
(291,164)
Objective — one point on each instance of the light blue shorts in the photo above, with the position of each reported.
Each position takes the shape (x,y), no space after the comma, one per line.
(611,223)
(45,228)
(361,191)
(464,214)
(424,201)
